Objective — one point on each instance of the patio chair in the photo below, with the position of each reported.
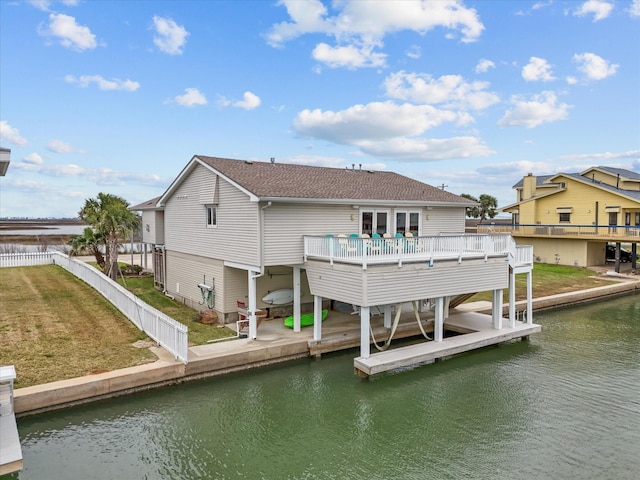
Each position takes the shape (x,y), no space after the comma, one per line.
(389,244)
(410,243)
(243,321)
(375,246)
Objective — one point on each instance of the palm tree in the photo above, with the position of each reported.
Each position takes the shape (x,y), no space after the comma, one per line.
(488,205)
(88,243)
(109,215)
(472,212)
(486,209)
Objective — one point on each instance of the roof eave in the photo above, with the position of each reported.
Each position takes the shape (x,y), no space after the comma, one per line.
(358,202)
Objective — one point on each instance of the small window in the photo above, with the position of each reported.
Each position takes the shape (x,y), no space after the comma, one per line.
(565,217)
(212,217)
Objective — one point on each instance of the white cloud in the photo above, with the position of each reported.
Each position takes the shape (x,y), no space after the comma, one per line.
(102,83)
(539,5)
(591,158)
(594,66)
(170,37)
(249,101)
(634,9)
(377,120)
(389,130)
(414,52)
(11,134)
(450,90)
(100,176)
(598,8)
(349,56)
(484,65)
(70,34)
(542,108)
(427,149)
(359,26)
(191,97)
(44,5)
(58,146)
(571,80)
(537,70)
(33,159)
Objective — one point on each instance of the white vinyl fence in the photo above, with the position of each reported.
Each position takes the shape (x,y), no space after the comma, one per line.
(167,332)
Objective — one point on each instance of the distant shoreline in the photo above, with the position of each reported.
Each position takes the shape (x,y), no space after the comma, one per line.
(36,224)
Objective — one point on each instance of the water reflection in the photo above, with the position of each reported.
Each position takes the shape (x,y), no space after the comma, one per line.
(564,405)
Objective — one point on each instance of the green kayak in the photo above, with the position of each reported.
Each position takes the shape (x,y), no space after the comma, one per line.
(305,319)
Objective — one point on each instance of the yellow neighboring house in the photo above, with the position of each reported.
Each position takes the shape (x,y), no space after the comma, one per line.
(570,218)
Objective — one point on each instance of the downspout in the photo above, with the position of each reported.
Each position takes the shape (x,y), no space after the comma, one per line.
(164,274)
(261,237)
(253,324)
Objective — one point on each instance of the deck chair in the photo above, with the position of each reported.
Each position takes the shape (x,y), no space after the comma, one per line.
(389,244)
(242,324)
(375,246)
(410,243)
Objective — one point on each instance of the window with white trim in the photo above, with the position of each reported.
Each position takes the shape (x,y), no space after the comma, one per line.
(565,217)
(408,221)
(212,216)
(374,221)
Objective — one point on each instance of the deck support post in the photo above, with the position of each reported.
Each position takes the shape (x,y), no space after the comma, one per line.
(387,316)
(251,310)
(529,297)
(317,318)
(496,311)
(512,298)
(438,325)
(296,299)
(365,342)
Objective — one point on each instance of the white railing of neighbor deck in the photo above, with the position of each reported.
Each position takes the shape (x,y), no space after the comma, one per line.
(369,251)
(166,331)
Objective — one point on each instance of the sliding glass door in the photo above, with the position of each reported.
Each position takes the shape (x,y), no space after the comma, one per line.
(374,221)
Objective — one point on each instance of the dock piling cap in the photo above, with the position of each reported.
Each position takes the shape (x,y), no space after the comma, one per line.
(7,373)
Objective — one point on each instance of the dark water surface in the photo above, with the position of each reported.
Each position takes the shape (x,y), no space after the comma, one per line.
(565,405)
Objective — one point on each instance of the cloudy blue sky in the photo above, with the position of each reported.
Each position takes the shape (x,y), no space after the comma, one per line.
(117,96)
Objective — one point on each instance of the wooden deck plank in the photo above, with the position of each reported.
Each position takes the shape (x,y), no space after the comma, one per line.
(482,336)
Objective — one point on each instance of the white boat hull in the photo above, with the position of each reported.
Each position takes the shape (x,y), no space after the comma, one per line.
(284,296)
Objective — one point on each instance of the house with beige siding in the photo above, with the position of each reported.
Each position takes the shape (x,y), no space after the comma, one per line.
(570,218)
(231,230)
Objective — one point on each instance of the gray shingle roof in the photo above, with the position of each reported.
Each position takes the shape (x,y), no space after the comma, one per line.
(282,180)
(622,172)
(540,181)
(148,205)
(635,194)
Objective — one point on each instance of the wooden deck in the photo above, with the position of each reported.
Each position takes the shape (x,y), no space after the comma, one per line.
(481,335)
(10,450)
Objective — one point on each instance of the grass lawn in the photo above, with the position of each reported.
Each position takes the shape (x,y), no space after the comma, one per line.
(54,326)
(199,333)
(550,279)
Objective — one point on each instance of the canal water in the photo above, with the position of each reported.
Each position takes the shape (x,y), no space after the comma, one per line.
(565,405)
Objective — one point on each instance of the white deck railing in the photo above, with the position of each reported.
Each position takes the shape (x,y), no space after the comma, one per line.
(169,333)
(369,251)
(612,233)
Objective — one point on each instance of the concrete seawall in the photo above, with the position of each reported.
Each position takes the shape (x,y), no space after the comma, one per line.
(166,370)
